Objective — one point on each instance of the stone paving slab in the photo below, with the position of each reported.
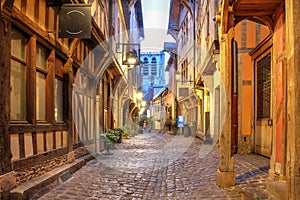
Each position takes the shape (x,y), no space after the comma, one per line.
(144,167)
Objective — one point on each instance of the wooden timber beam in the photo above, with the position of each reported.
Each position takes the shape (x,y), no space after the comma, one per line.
(5,52)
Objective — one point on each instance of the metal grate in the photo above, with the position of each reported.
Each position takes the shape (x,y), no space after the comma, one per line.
(264,87)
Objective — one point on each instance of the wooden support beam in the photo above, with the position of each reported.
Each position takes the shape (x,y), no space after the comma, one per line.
(50,79)
(31,81)
(292,14)
(226,176)
(5,51)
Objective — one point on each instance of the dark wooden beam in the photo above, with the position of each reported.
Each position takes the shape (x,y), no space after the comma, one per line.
(21,145)
(250,13)
(5,52)
(31,81)
(50,79)
(23,128)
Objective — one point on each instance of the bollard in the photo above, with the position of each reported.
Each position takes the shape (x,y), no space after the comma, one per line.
(107,145)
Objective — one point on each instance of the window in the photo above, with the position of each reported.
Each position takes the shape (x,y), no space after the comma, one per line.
(146,70)
(153,60)
(82,80)
(91,57)
(18,76)
(58,92)
(207,23)
(41,73)
(153,70)
(264,87)
(98,13)
(186,30)
(146,60)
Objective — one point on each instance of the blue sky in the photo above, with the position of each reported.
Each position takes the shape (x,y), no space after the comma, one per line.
(156,18)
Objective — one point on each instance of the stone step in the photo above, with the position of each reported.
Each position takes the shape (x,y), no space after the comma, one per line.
(38,186)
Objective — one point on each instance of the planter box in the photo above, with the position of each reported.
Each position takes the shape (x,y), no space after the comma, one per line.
(193,130)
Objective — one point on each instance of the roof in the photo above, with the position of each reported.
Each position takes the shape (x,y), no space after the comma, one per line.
(161,91)
(139,14)
(170,47)
(174,15)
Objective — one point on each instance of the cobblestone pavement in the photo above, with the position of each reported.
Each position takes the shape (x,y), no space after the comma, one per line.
(139,170)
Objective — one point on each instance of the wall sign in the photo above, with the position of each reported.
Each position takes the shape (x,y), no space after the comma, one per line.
(180,122)
(75,21)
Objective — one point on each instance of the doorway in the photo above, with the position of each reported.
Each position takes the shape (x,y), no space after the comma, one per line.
(263,105)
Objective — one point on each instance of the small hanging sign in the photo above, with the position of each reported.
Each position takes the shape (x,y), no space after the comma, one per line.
(75,21)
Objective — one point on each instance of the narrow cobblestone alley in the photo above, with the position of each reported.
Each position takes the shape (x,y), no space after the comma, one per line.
(143,174)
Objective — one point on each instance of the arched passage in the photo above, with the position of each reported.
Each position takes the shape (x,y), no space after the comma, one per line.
(267,86)
(248,35)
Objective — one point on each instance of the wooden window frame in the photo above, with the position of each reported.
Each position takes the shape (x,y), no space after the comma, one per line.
(257,54)
(263,111)
(47,83)
(25,63)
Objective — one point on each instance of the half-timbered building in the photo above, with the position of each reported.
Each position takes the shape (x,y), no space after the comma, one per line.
(51,86)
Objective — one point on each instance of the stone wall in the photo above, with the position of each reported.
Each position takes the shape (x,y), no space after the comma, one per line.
(26,174)
(40,168)
(82,151)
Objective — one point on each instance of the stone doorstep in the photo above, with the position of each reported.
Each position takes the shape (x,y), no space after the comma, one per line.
(277,189)
(28,189)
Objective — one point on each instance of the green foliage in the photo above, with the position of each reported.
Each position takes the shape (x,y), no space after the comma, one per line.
(115,135)
(112,135)
(119,133)
(127,132)
(150,119)
(175,121)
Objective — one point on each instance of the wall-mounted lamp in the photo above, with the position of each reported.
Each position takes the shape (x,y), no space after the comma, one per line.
(131,58)
(130,53)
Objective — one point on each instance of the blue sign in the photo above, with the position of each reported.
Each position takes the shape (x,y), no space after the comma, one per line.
(180,122)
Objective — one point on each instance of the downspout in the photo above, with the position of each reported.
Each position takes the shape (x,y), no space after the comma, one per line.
(234,115)
(194,42)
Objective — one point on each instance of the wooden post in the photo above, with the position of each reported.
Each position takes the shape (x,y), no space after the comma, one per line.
(293,98)
(7,176)
(50,88)
(31,81)
(68,71)
(225,174)
(5,51)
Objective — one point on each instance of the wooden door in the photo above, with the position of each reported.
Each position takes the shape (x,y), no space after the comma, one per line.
(263,105)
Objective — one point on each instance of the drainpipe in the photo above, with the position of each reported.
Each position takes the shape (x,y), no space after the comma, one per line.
(234,115)
(194,42)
